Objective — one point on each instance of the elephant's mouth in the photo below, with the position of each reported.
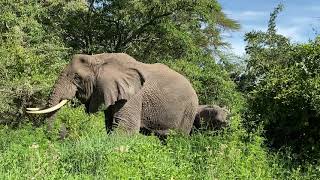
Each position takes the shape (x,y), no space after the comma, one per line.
(84,98)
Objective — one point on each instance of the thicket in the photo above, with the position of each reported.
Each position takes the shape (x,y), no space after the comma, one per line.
(283,91)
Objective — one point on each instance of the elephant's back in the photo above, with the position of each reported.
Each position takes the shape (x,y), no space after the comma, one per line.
(171,80)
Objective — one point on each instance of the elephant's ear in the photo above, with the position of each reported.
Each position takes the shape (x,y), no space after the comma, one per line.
(119,83)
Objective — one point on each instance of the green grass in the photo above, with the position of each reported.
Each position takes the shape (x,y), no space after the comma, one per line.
(89,153)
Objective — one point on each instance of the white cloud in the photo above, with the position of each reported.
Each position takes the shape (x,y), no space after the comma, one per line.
(306,23)
(246,15)
(303,20)
(252,13)
(238,48)
(293,33)
(256,27)
(237,45)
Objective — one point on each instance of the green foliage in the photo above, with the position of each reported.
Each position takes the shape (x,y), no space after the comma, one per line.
(283,90)
(77,123)
(30,58)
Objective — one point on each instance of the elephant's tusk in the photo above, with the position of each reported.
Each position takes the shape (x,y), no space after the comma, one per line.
(58,106)
(33,109)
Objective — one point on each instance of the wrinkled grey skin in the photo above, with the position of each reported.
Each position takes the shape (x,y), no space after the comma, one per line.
(137,96)
(211,117)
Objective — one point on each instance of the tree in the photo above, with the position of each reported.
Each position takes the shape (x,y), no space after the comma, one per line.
(144,29)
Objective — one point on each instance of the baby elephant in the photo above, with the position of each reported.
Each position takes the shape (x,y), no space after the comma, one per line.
(211,117)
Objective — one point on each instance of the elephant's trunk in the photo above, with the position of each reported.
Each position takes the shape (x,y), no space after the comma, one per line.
(63,90)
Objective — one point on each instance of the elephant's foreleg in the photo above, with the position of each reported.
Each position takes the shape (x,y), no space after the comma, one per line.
(162,135)
(109,113)
(108,119)
(129,116)
(128,122)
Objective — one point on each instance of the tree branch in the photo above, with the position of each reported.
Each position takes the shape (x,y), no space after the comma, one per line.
(141,29)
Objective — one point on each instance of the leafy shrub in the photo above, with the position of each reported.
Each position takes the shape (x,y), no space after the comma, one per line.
(283,90)
(30,59)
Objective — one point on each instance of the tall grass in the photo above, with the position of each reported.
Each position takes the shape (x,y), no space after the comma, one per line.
(89,153)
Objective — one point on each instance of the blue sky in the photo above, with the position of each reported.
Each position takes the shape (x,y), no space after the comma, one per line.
(297,21)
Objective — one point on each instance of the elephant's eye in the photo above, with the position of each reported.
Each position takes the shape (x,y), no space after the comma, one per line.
(82,60)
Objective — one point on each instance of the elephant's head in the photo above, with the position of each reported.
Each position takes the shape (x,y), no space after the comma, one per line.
(95,79)
(212,116)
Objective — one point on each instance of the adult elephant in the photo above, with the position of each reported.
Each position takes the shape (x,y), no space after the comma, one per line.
(137,96)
